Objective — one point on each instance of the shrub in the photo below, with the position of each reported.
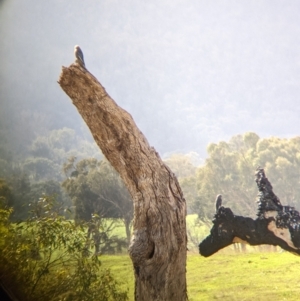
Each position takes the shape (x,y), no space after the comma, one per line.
(44,259)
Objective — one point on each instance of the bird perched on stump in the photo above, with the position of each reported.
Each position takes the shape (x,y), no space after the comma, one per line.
(218,202)
(79,56)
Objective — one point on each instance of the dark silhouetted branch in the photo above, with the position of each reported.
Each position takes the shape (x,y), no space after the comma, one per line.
(276,224)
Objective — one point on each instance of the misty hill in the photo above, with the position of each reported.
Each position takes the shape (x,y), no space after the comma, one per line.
(190,73)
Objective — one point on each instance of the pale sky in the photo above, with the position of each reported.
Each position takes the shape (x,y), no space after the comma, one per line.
(189,72)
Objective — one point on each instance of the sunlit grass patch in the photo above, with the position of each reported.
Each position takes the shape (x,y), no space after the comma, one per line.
(121,267)
(253,276)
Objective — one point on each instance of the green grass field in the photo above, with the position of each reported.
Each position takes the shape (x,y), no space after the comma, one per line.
(228,276)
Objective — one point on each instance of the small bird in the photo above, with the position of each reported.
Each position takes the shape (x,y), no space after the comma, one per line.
(218,202)
(79,56)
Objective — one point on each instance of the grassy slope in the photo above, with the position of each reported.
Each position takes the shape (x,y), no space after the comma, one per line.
(252,276)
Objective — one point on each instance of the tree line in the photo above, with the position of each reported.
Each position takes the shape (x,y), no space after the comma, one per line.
(229,170)
(82,180)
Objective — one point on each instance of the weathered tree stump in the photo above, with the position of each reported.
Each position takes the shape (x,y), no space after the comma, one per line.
(276,225)
(158,245)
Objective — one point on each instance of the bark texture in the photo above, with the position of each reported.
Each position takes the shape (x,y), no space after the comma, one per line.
(158,245)
(276,224)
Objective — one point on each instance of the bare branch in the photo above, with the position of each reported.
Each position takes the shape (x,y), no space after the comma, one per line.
(276,224)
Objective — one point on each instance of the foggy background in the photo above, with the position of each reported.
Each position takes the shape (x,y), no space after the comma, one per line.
(189,72)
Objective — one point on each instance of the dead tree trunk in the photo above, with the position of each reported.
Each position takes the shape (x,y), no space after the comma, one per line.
(276,225)
(158,245)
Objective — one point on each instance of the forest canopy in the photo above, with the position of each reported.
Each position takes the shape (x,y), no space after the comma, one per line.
(58,162)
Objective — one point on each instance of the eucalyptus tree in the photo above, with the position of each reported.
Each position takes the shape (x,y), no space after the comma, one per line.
(228,170)
(96,188)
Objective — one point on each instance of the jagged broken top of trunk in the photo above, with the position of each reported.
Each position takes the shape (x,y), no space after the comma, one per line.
(267,200)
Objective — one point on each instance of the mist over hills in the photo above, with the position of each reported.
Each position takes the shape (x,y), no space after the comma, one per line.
(189,72)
